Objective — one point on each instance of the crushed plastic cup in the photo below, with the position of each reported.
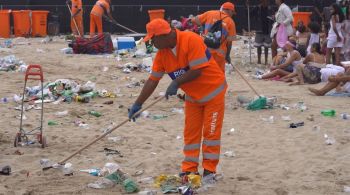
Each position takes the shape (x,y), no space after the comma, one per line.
(230,154)
(109,168)
(68,169)
(101,183)
(117,139)
(329,140)
(105,69)
(45,163)
(145,114)
(231,131)
(177,110)
(63,113)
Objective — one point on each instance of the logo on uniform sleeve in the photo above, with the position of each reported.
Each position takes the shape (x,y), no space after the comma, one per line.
(177,73)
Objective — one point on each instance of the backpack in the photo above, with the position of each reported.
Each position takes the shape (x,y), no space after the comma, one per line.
(213,38)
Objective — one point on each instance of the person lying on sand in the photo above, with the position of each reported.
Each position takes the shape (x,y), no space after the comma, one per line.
(341,82)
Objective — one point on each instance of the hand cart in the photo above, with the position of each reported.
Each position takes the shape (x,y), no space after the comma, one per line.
(34,72)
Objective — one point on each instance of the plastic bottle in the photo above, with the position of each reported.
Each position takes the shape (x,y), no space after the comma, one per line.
(329,112)
(345,116)
(159,116)
(52,123)
(95,113)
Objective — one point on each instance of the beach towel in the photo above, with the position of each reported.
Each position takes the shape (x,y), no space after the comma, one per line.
(100,44)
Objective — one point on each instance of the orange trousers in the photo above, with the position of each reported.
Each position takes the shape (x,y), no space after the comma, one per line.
(79,21)
(203,123)
(95,22)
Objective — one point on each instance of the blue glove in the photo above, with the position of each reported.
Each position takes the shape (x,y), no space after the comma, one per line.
(134,108)
(172,89)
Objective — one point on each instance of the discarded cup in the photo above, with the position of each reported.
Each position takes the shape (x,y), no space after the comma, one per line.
(346,189)
(329,140)
(68,169)
(230,154)
(63,113)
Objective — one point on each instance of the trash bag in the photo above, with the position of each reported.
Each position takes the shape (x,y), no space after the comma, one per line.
(257,104)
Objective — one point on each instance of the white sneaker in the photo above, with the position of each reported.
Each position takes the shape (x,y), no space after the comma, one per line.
(259,77)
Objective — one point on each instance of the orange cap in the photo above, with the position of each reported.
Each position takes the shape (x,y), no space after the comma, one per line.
(157,27)
(229,6)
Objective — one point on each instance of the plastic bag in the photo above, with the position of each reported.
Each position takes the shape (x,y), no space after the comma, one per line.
(282,36)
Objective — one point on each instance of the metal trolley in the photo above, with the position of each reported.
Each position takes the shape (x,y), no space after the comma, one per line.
(34,72)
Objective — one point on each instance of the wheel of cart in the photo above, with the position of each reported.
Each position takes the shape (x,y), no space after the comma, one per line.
(34,72)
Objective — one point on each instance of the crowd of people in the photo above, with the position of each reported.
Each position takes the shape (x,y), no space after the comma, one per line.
(306,54)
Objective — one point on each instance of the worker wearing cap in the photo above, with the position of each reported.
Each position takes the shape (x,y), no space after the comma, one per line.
(100,8)
(77,15)
(227,10)
(185,58)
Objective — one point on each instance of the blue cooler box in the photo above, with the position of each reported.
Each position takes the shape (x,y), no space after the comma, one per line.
(126,43)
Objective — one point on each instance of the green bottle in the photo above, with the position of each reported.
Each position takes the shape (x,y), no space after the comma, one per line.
(52,123)
(95,113)
(329,112)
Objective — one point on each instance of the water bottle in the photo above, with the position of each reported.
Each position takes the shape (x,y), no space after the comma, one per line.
(329,112)
(95,113)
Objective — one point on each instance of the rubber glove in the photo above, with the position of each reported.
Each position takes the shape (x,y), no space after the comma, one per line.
(172,89)
(134,108)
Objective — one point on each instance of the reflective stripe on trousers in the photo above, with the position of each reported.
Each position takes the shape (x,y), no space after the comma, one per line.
(208,97)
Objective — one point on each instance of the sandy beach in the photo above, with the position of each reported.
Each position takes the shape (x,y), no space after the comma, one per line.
(270,158)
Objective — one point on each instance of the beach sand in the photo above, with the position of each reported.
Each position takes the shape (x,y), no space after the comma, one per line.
(270,158)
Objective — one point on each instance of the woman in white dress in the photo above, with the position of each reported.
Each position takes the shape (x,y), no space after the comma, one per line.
(335,39)
(284,17)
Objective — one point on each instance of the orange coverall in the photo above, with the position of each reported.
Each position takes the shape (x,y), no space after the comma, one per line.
(96,16)
(205,98)
(228,32)
(76,6)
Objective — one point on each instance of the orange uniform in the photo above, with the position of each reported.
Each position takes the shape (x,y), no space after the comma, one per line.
(205,97)
(76,6)
(228,32)
(96,16)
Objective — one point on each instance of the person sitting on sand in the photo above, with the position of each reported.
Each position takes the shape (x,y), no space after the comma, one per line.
(341,82)
(310,71)
(286,64)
